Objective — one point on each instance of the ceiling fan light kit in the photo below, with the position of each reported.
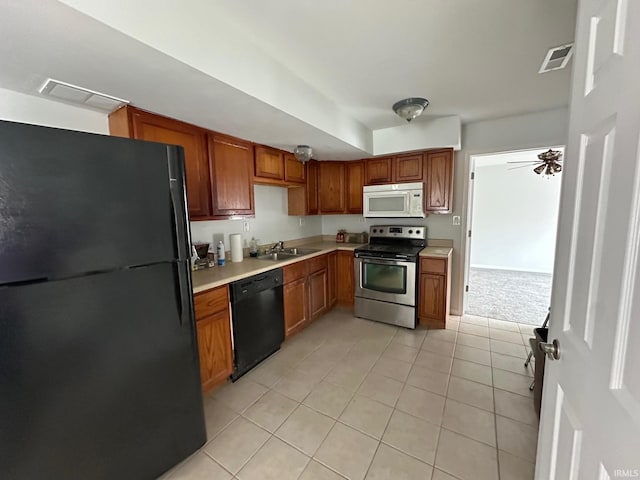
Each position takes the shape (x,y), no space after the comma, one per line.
(410,108)
(303,153)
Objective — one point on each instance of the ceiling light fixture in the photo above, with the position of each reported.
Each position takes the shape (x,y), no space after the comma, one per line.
(410,108)
(303,153)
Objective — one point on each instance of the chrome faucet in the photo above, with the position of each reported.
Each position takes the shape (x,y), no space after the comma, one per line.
(277,247)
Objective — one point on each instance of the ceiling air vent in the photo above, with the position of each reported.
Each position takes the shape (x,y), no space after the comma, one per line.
(83,96)
(557,58)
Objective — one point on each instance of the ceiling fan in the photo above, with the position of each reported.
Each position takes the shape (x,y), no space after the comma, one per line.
(549,163)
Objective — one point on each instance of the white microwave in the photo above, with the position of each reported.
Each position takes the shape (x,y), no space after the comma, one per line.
(395,200)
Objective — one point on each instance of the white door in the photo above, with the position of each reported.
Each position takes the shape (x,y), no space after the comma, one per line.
(590,425)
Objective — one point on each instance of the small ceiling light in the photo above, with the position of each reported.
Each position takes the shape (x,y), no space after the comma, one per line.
(410,108)
(303,153)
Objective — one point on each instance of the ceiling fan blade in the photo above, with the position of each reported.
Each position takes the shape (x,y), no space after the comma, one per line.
(540,168)
(519,166)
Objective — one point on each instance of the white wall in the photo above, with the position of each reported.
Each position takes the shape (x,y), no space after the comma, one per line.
(19,107)
(515,215)
(270,224)
(519,132)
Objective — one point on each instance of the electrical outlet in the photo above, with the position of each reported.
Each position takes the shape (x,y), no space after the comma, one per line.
(245,226)
(363,220)
(456,219)
(301,221)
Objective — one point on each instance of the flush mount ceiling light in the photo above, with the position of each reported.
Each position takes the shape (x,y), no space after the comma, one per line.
(75,94)
(303,153)
(410,108)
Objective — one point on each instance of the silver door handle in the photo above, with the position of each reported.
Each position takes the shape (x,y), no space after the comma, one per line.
(551,349)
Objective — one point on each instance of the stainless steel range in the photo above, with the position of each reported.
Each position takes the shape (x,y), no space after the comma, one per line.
(386,274)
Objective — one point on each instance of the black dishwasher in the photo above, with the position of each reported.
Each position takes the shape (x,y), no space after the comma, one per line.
(258,319)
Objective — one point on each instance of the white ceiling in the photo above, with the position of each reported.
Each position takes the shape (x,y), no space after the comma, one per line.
(288,71)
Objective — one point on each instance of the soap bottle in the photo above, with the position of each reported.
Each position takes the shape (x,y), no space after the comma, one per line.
(220,253)
(253,247)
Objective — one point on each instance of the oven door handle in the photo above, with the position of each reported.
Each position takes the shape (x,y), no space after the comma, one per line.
(384,261)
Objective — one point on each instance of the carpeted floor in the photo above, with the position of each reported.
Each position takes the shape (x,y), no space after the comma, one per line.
(521,297)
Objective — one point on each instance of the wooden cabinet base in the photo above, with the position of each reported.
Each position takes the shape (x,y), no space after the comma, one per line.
(434,286)
(434,323)
(213,328)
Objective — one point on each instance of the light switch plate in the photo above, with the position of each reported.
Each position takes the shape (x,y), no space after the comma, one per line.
(245,226)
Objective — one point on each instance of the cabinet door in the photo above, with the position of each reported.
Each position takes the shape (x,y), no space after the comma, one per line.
(408,168)
(318,297)
(295,306)
(232,175)
(214,347)
(332,278)
(354,183)
(331,187)
(345,283)
(439,181)
(293,169)
(432,297)
(154,128)
(378,170)
(269,163)
(312,188)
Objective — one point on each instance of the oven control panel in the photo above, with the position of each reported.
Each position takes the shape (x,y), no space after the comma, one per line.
(417,232)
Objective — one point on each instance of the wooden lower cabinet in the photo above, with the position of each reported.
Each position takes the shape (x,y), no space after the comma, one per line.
(295,306)
(433,292)
(332,278)
(213,328)
(306,292)
(345,278)
(318,297)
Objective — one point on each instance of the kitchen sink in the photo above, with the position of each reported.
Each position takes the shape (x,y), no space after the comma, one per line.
(287,254)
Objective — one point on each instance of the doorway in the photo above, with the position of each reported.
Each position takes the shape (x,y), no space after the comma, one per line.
(512,223)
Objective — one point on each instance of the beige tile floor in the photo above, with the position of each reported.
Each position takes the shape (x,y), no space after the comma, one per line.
(350,398)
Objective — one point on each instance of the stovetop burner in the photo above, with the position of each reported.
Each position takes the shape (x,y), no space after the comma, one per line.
(394,241)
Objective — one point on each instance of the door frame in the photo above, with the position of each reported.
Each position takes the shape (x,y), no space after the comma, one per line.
(466,240)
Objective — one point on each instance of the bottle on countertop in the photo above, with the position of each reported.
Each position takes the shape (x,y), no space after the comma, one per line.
(253,247)
(220,253)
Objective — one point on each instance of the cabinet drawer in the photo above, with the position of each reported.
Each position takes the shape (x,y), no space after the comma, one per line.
(433,265)
(294,271)
(317,263)
(211,301)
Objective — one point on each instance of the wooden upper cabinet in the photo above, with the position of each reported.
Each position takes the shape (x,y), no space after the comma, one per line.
(354,184)
(294,171)
(378,170)
(408,168)
(132,123)
(231,162)
(312,188)
(438,174)
(331,187)
(269,164)
(303,199)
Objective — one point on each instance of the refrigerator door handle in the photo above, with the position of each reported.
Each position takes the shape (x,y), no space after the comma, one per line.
(184,302)
(179,202)
(179,211)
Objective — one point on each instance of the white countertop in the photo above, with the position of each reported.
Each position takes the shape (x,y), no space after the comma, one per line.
(214,277)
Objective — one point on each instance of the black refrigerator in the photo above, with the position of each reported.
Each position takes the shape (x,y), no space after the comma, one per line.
(99,371)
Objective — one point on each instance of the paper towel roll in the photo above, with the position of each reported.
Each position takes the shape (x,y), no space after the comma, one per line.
(236,247)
